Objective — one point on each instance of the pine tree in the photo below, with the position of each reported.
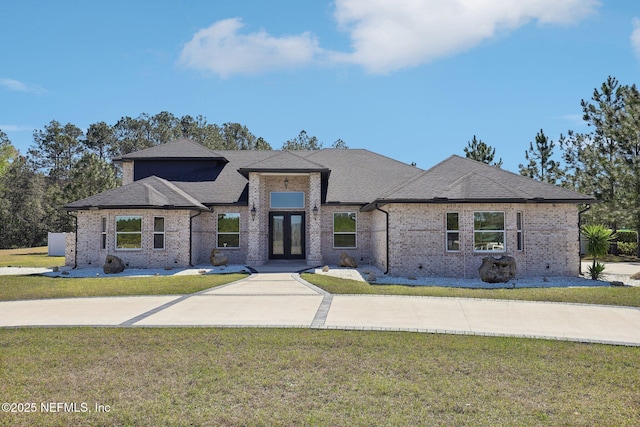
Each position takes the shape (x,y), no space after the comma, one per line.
(477,150)
(541,166)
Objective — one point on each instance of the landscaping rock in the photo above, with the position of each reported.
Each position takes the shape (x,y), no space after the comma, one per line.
(347,261)
(371,277)
(616,283)
(217,259)
(499,270)
(113,265)
(325,269)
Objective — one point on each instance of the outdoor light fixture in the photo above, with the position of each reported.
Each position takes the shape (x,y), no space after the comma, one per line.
(253,211)
(286,183)
(315,209)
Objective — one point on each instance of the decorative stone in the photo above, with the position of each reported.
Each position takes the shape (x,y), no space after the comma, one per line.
(616,283)
(325,269)
(636,276)
(371,277)
(113,265)
(347,261)
(217,259)
(499,270)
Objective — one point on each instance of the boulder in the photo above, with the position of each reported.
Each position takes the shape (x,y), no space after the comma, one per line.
(347,261)
(217,259)
(113,265)
(371,277)
(499,270)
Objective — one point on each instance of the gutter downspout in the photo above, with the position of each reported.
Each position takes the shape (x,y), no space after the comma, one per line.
(579,235)
(191,237)
(387,239)
(75,249)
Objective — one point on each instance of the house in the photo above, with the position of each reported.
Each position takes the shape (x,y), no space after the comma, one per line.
(180,200)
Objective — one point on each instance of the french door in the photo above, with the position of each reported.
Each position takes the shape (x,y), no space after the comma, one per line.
(286,235)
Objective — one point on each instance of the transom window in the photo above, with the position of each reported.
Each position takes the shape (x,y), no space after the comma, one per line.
(453,232)
(228,230)
(287,200)
(128,232)
(344,230)
(488,231)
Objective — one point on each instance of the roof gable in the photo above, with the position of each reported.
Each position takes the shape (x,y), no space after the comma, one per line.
(283,161)
(151,192)
(182,148)
(459,179)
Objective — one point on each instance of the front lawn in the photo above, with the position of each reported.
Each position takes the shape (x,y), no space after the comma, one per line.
(29,257)
(624,296)
(36,287)
(239,377)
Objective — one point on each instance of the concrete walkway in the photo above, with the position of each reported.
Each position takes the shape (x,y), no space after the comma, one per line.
(276,299)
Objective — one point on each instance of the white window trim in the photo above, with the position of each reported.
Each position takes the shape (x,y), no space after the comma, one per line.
(520,231)
(447,231)
(218,233)
(129,232)
(163,232)
(333,230)
(103,233)
(503,231)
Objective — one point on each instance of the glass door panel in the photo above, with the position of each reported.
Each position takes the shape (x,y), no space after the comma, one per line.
(286,235)
(296,234)
(277,239)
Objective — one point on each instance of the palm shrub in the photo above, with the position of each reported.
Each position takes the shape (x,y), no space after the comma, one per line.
(599,240)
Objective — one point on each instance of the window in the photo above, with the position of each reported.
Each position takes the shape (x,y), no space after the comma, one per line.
(453,232)
(229,230)
(103,234)
(158,232)
(287,200)
(128,232)
(519,235)
(344,230)
(488,231)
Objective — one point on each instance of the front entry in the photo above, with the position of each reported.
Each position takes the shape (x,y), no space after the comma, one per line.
(286,235)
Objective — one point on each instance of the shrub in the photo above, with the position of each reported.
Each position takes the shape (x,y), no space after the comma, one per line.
(595,271)
(599,239)
(627,236)
(630,248)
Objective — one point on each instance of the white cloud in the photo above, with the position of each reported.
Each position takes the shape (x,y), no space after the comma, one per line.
(388,36)
(385,35)
(19,86)
(221,49)
(635,36)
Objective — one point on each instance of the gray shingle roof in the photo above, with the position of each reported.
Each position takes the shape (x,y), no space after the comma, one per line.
(182,148)
(459,179)
(353,176)
(283,161)
(151,192)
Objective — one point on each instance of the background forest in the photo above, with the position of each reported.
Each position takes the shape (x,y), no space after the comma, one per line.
(66,163)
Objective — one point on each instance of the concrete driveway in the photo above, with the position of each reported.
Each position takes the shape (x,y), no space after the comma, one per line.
(276,299)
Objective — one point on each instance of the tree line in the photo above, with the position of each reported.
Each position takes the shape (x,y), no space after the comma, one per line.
(604,162)
(65,163)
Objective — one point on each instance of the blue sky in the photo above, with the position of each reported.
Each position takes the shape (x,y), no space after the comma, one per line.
(410,79)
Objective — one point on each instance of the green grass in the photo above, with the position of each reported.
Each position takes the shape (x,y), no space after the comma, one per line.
(35,287)
(259,377)
(623,296)
(29,257)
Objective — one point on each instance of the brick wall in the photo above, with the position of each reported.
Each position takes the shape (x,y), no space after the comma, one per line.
(205,229)
(417,242)
(362,251)
(90,254)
